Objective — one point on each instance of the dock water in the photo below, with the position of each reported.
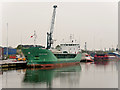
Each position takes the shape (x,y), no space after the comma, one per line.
(85,75)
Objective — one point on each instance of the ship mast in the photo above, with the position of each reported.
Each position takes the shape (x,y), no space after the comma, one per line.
(49,35)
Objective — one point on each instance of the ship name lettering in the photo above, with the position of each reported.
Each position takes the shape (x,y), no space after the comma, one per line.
(43,54)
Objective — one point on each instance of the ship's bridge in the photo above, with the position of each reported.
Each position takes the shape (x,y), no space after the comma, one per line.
(70,48)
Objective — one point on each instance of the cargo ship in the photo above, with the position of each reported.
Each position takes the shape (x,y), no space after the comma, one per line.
(45,57)
(37,56)
(101,57)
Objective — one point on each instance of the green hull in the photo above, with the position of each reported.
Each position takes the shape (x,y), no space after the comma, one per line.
(36,55)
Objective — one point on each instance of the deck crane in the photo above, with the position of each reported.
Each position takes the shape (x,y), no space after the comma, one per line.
(49,35)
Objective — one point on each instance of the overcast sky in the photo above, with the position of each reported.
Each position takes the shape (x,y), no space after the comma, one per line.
(93,22)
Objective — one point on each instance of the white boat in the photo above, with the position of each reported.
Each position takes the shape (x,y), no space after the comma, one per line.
(87,58)
(114,55)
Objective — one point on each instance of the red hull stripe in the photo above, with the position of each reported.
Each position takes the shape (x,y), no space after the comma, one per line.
(53,65)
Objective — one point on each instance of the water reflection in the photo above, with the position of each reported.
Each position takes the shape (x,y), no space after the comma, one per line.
(49,76)
(107,64)
(102,74)
(102,62)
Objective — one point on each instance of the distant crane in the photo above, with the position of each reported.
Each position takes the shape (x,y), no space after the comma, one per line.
(49,35)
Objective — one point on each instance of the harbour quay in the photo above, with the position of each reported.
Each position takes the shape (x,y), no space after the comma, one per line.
(12,63)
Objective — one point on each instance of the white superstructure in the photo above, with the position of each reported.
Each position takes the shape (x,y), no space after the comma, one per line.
(73,48)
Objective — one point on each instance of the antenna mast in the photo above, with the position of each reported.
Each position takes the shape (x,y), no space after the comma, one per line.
(35,36)
(85,46)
